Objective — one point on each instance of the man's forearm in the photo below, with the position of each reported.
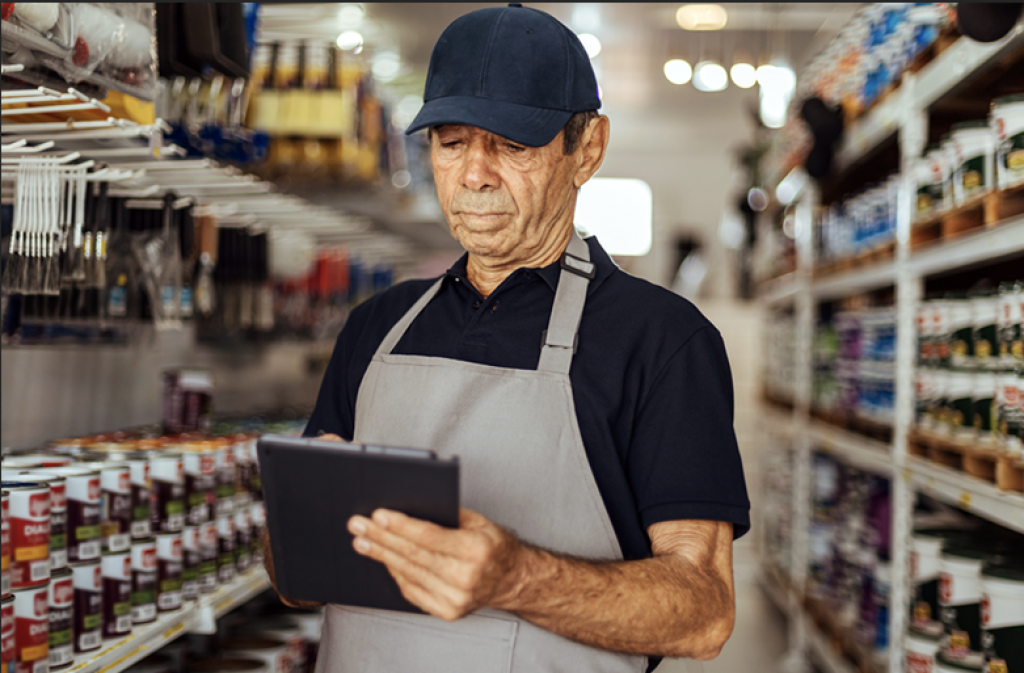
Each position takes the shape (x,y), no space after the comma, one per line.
(664,606)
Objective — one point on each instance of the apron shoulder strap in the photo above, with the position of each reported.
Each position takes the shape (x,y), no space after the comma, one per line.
(563,325)
(396,332)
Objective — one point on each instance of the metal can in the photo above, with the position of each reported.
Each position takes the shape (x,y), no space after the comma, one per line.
(40,460)
(191,557)
(137,461)
(245,459)
(169,565)
(144,581)
(58,516)
(117,593)
(62,619)
(209,545)
(115,505)
(84,499)
(225,549)
(7,634)
(167,476)
(88,584)
(200,483)
(243,539)
(32,629)
(29,523)
(5,547)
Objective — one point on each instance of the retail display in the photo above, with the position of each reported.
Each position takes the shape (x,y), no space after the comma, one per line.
(861,222)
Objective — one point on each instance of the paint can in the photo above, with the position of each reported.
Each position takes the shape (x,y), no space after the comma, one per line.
(32,629)
(209,546)
(7,634)
(169,571)
(167,474)
(116,514)
(29,524)
(225,549)
(62,619)
(144,581)
(88,585)
(117,593)
(5,547)
(243,539)
(200,461)
(1002,617)
(191,557)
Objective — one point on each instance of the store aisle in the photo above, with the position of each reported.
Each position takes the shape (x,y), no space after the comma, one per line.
(760,638)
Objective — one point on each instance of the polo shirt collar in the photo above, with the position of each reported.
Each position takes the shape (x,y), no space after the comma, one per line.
(604,266)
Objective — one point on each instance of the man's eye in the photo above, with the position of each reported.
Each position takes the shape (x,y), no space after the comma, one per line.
(514,148)
(449,143)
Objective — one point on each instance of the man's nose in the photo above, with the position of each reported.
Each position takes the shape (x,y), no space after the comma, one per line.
(479,172)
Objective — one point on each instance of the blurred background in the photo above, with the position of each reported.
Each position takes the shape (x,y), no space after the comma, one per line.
(195,196)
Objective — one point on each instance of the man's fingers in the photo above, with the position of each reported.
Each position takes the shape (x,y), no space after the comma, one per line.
(425,534)
(402,546)
(402,567)
(332,438)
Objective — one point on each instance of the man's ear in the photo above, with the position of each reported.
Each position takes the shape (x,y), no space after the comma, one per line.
(592,149)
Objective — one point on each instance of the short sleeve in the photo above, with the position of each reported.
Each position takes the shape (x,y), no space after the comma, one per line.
(684,462)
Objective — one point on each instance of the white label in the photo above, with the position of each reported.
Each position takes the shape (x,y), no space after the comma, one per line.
(143,613)
(207,583)
(169,601)
(90,641)
(140,529)
(123,624)
(224,508)
(119,542)
(62,655)
(39,570)
(176,522)
(58,558)
(41,666)
(5,584)
(88,551)
(227,573)
(189,590)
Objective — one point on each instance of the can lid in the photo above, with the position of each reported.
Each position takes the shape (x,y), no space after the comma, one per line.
(9,599)
(60,574)
(42,478)
(973,124)
(23,486)
(70,471)
(1006,100)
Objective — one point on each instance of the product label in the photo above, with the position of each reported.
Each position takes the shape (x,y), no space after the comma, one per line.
(30,538)
(32,625)
(972,175)
(142,500)
(84,498)
(186,302)
(117,300)
(919,663)
(169,510)
(117,607)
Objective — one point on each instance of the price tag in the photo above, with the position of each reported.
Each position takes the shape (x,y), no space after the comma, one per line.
(965,499)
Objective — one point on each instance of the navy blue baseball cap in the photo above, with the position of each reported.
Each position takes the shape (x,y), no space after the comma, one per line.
(514,71)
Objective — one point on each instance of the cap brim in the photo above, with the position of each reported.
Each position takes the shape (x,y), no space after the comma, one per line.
(530,126)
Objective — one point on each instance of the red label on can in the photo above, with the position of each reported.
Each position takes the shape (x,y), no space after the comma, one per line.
(31,625)
(63,592)
(945,588)
(986,609)
(94,489)
(58,497)
(30,539)
(919,663)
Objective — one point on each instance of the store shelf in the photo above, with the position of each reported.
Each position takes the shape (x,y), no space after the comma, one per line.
(779,289)
(778,594)
(856,450)
(970,493)
(118,655)
(864,279)
(999,241)
(964,59)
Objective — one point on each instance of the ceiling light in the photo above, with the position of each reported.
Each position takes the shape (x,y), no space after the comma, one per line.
(350,16)
(386,66)
(701,17)
(710,76)
(743,75)
(591,44)
(757,199)
(678,71)
(350,40)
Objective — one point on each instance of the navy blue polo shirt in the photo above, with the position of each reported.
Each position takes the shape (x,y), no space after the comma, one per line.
(650,380)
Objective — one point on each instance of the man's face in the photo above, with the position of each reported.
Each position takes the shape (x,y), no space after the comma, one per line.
(501,199)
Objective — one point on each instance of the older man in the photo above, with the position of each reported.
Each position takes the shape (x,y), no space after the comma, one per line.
(591,411)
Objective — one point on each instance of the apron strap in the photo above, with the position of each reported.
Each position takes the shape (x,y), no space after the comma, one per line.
(560,336)
(563,325)
(391,340)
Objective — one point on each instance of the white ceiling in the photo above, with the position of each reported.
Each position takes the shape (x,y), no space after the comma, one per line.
(679,140)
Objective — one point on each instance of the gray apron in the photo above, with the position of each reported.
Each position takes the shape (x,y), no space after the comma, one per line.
(523,466)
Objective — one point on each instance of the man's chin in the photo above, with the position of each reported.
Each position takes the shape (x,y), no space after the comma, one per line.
(483,243)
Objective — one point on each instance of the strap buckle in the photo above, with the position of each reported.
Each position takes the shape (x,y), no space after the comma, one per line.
(578,266)
(544,342)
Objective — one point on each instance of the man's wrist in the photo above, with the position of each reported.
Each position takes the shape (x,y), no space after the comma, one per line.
(527,564)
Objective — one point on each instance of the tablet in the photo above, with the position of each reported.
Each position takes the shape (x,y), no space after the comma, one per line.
(312,487)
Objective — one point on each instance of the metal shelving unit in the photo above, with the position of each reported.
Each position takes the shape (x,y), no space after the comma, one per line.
(903,115)
(117,655)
